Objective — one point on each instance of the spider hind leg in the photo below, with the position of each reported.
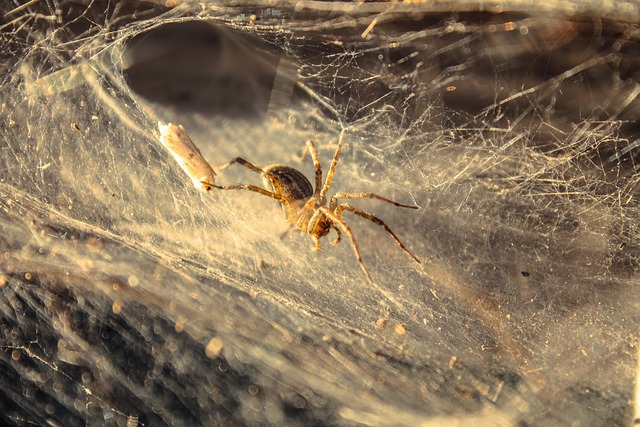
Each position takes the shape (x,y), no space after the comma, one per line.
(360,195)
(347,207)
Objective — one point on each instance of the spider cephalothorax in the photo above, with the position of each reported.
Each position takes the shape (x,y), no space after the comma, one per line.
(305,206)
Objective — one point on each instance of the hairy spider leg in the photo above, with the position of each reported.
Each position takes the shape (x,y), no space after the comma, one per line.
(209,185)
(332,169)
(311,203)
(337,196)
(347,207)
(243,162)
(319,196)
(255,188)
(338,232)
(311,229)
(316,162)
(336,219)
(262,172)
(310,225)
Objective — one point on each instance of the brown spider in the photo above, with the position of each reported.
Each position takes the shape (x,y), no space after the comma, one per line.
(306,208)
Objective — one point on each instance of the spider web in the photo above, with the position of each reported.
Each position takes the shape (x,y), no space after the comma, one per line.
(128,297)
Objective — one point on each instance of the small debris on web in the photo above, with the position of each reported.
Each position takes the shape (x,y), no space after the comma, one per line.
(176,140)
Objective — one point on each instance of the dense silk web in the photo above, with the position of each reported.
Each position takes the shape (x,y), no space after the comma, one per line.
(128,296)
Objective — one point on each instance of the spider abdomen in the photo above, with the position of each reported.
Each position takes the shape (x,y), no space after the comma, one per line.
(294,186)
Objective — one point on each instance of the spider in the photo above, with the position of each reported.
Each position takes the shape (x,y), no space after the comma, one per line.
(306,207)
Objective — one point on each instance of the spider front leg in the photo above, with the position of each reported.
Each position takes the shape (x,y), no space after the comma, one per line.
(312,230)
(252,188)
(346,207)
(314,227)
(242,162)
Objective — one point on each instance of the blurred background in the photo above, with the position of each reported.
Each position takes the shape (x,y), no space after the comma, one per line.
(130,298)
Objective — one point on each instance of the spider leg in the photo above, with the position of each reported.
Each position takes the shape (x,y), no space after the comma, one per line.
(336,219)
(332,169)
(311,226)
(255,188)
(346,207)
(316,162)
(256,169)
(337,196)
(206,184)
(339,237)
(242,162)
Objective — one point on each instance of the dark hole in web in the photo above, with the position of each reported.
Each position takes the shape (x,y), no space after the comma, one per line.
(199,67)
